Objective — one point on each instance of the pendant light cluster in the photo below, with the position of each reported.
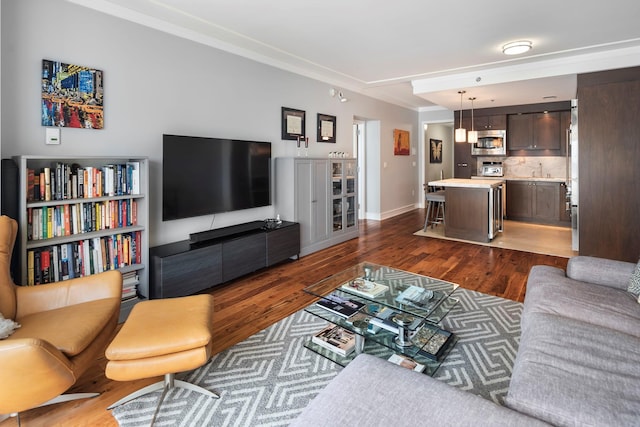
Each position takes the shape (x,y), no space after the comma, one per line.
(461,133)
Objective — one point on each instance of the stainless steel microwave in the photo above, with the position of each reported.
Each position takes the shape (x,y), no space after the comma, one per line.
(490,143)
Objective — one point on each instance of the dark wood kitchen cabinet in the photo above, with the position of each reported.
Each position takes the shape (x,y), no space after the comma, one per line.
(534,131)
(533,201)
(464,164)
(494,122)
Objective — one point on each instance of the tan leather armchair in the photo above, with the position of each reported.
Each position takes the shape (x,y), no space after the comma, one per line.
(65,327)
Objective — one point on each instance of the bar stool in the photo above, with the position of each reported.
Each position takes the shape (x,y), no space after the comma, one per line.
(435,203)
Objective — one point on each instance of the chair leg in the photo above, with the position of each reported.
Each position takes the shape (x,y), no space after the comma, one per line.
(426,220)
(167,384)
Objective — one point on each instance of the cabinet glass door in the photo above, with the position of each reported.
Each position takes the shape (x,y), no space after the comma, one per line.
(351,211)
(337,214)
(336,171)
(350,175)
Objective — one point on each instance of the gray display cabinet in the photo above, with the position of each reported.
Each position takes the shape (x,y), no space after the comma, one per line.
(321,195)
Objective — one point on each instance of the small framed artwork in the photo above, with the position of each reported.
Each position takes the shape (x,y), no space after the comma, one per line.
(326,128)
(293,124)
(435,151)
(401,146)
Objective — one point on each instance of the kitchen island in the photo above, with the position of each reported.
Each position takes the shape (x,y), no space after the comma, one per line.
(473,208)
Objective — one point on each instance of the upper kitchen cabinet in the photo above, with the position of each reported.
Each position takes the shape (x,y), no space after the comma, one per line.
(495,122)
(534,131)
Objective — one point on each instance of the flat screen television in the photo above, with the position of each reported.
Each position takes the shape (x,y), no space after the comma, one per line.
(202,176)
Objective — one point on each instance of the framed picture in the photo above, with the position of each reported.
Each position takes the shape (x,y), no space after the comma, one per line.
(326,128)
(435,151)
(72,96)
(401,146)
(293,124)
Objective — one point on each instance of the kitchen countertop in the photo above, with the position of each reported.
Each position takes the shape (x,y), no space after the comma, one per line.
(519,178)
(467,183)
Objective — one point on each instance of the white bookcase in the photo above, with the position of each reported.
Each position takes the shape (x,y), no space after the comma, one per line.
(91,216)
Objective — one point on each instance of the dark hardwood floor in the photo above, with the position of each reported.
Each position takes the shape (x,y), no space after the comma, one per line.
(249,304)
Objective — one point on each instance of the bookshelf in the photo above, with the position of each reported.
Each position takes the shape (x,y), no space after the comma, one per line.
(79,216)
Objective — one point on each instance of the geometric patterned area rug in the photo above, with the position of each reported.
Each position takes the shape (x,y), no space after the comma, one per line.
(267,379)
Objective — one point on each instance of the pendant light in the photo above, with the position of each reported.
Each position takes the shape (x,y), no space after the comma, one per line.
(472,136)
(461,133)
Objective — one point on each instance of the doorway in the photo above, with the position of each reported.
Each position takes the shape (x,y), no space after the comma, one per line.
(433,168)
(359,150)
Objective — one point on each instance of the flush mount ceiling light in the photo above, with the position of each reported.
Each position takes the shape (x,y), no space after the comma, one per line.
(516,48)
(461,133)
(472,136)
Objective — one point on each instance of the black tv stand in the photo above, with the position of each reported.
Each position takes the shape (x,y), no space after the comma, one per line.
(204,236)
(218,256)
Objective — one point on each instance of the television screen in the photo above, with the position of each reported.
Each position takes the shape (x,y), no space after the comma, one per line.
(202,176)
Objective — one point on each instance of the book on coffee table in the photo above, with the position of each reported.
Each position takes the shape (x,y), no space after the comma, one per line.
(406,362)
(341,306)
(336,339)
(365,288)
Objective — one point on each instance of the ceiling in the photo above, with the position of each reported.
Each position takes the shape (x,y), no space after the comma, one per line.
(413,53)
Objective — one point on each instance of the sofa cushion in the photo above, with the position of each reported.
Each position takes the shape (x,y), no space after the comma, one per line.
(634,282)
(70,329)
(570,373)
(600,271)
(549,291)
(373,392)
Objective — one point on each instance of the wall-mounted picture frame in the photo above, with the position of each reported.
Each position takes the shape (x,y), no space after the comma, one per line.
(293,124)
(326,128)
(72,95)
(435,151)
(401,145)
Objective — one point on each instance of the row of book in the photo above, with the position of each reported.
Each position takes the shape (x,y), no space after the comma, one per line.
(65,220)
(83,258)
(66,181)
(130,282)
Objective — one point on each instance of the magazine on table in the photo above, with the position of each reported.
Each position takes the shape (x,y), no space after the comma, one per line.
(336,339)
(406,362)
(418,296)
(341,306)
(366,288)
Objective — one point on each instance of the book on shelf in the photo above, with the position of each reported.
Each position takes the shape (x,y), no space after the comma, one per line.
(364,287)
(336,339)
(406,362)
(341,306)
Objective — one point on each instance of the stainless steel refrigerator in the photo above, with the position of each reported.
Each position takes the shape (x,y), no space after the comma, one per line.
(572,180)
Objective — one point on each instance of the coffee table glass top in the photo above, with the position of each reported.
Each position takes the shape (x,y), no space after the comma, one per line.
(412,293)
(375,288)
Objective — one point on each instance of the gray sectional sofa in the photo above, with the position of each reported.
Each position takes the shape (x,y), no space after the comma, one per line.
(578,364)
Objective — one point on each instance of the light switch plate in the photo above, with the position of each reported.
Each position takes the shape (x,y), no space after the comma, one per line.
(52,136)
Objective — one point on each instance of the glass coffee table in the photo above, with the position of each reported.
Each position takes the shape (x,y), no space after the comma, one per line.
(397,312)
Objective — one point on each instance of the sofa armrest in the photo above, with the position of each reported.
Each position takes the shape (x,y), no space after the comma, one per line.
(600,271)
(37,363)
(373,392)
(35,299)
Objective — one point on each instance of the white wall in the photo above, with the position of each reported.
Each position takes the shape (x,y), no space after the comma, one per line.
(443,132)
(157,83)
